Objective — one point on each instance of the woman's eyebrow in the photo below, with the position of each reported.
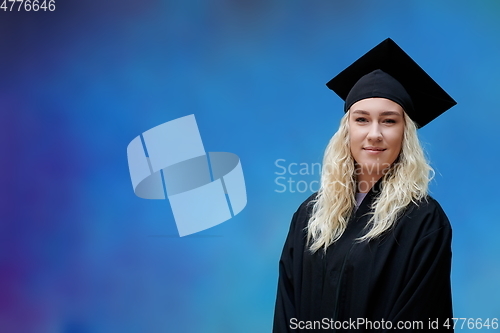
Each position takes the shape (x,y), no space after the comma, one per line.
(390,113)
(385,113)
(361,112)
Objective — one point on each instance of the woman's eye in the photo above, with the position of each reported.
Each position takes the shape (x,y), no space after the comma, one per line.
(390,121)
(361,120)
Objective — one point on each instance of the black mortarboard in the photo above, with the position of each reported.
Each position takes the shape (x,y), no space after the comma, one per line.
(387,71)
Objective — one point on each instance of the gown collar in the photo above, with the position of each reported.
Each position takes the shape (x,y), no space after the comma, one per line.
(365,205)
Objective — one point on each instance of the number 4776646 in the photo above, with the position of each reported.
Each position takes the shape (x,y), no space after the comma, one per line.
(471,323)
(28,5)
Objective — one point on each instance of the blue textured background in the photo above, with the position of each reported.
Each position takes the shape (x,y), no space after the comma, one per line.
(79,252)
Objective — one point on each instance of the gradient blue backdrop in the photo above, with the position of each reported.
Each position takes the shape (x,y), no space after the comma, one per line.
(79,252)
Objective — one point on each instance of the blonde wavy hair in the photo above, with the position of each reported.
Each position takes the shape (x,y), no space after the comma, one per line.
(404,182)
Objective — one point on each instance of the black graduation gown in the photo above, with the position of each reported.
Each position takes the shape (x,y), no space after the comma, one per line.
(404,275)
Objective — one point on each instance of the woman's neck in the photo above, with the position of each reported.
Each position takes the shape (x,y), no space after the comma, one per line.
(364,182)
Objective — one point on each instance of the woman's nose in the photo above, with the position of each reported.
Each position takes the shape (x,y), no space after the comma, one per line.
(375,134)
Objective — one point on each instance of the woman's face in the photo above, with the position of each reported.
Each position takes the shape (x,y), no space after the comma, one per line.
(376,127)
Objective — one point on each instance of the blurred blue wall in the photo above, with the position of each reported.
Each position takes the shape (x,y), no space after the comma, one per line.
(79,252)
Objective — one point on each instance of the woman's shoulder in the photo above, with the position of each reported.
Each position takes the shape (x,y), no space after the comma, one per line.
(303,213)
(306,207)
(309,202)
(428,205)
(428,214)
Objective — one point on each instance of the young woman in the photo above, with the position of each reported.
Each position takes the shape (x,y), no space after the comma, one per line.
(371,250)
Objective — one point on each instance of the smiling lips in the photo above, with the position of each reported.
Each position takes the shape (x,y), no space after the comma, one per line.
(374,149)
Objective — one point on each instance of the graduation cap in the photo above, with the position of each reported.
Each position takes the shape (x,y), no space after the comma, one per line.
(387,71)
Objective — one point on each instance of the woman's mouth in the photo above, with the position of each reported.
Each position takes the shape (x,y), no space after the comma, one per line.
(374,150)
